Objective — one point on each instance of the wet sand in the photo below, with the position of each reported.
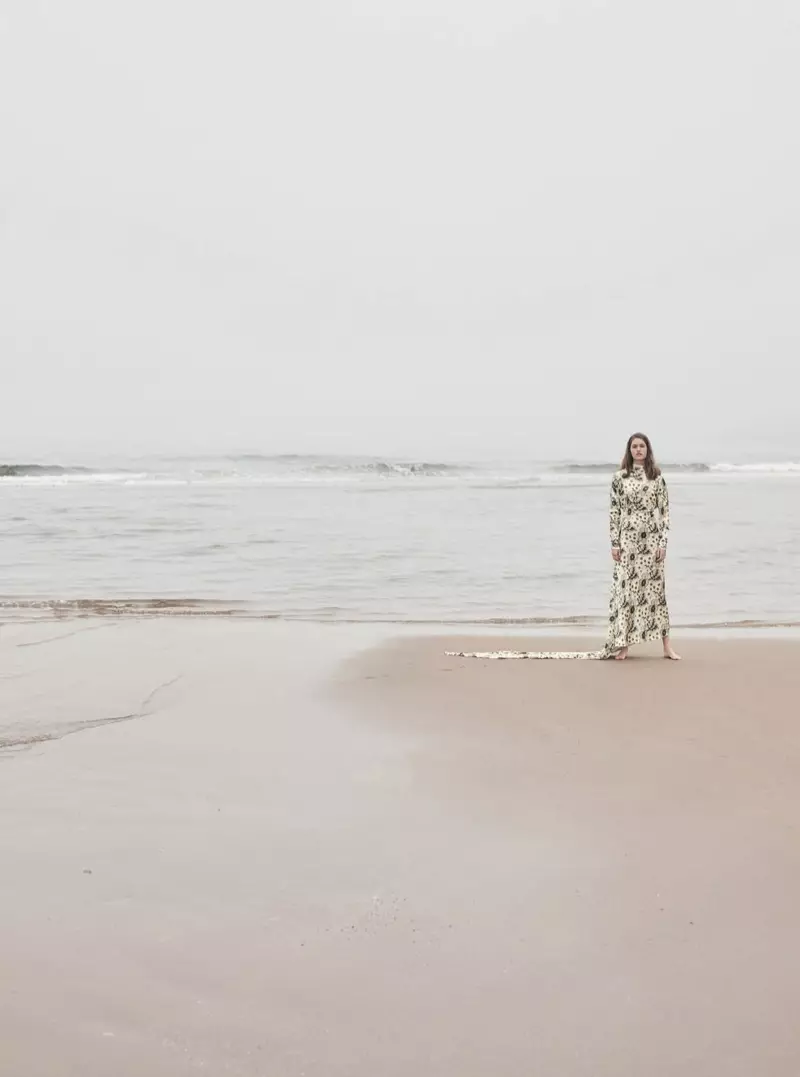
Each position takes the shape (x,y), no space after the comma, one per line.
(263,849)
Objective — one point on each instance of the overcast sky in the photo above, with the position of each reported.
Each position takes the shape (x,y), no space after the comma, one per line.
(416,226)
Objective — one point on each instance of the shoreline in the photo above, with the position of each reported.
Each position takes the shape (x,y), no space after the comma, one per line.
(14,610)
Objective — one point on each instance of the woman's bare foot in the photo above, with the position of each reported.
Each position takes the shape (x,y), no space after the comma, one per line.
(621,655)
(669,653)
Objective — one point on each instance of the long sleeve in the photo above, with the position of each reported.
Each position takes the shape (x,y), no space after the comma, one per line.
(663,507)
(615,519)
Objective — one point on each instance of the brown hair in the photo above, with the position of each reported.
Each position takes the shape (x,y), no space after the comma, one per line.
(650,468)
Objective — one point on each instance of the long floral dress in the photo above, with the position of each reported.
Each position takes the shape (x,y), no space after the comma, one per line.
(639,524)
(639,529)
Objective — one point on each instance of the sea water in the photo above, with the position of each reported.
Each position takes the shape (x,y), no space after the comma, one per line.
(366,539)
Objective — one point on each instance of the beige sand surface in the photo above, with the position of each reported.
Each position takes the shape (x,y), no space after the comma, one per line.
(294,856)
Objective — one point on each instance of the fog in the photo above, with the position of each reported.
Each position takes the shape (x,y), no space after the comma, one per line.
(451,228)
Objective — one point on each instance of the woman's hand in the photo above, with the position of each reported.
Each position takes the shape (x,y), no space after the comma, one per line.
(661,554)
(616,553)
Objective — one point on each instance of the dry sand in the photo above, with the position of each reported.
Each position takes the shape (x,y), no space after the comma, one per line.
(302,850)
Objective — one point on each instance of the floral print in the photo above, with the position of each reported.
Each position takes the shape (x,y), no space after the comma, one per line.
(639,524)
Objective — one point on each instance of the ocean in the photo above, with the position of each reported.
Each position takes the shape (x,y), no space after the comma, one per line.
(335,538)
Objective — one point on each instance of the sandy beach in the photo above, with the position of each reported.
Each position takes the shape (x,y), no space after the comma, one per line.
(275,850)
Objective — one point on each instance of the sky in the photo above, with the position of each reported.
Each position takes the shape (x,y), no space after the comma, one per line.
(467,227)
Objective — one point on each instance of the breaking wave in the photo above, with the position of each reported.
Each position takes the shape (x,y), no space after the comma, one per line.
(249,467)
(289,469)
(19,471)
(594,469)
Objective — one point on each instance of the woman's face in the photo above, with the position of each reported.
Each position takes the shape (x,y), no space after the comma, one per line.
(639,450)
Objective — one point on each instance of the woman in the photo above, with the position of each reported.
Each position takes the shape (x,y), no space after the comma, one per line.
(639,531)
